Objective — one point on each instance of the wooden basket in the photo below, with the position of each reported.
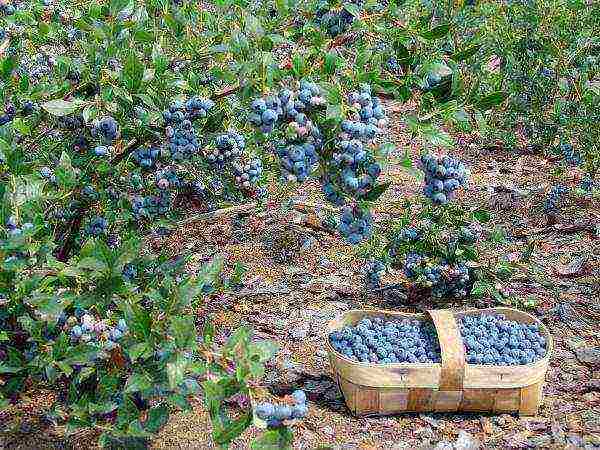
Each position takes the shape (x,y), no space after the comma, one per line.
(453,385)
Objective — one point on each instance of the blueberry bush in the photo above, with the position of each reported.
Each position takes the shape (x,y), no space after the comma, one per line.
(120,119)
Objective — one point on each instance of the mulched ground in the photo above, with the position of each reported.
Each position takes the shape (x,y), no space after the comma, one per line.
(300,277)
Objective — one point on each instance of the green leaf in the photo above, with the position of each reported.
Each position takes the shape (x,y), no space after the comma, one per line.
(92,263)
(133,72)
(179,401)
(436,136)
(334,112)
(489,101)
(157,418)
(330,62)
(176,371)
(61,107)
(481,289)
(278,439)
(80,354)
(66,369)
(138,350)
(183,331)
(377,191)
(352,9)
(138,382)
(436,32)
(9,369)
(466,53)
(241,336)
(298,65)
(482,215)
(232,430)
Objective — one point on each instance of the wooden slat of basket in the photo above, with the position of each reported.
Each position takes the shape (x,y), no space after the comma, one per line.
(507,400)
(420,399)
(393,400)
(478,400)
(531,399)
(453,352)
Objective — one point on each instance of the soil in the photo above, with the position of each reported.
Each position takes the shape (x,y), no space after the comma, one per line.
(300,276)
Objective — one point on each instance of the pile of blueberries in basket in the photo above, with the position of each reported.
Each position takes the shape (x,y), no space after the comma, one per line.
(489,339)
(378,341)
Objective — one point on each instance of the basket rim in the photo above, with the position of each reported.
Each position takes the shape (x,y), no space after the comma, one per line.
(334,352)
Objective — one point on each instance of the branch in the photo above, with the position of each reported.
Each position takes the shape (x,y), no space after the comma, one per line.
(252,293)
(69,237)
(227,91)
(589,227)
(126,151)
(220,213)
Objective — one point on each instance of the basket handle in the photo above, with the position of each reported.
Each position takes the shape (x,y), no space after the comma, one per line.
(453,351)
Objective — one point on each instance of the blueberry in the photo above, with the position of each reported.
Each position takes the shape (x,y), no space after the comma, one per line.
(282,412)
(299,411)
(264,410)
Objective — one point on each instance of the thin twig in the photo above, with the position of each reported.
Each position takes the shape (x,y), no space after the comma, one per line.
(274,291)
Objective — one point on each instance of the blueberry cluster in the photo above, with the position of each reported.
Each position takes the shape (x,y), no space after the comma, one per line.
(89,193)
(571,156)
(297,160)
(308,97)
(205,80)
(373,269)
(97,226)
(146,156)
(7,9)
(369,111)
(48,174)
(37,67)
(191,109)
(198,189)
(167,178)
(332,194)
(445,278)
(151,205)
(287,105)
(228,147)
(106,129)
(443,176)
(101,150)
(275,415)
(356,224)
(334,22)
(379,341)
(552,203)
(73,34)
(393,66)
(129,272)
(70,123)
(183,140)
(417,253)
(493,340)
(92,331)
(587,183)
(247,175)
(14,230)
(9,114)
(298,151)
(357,167)
(265,113)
